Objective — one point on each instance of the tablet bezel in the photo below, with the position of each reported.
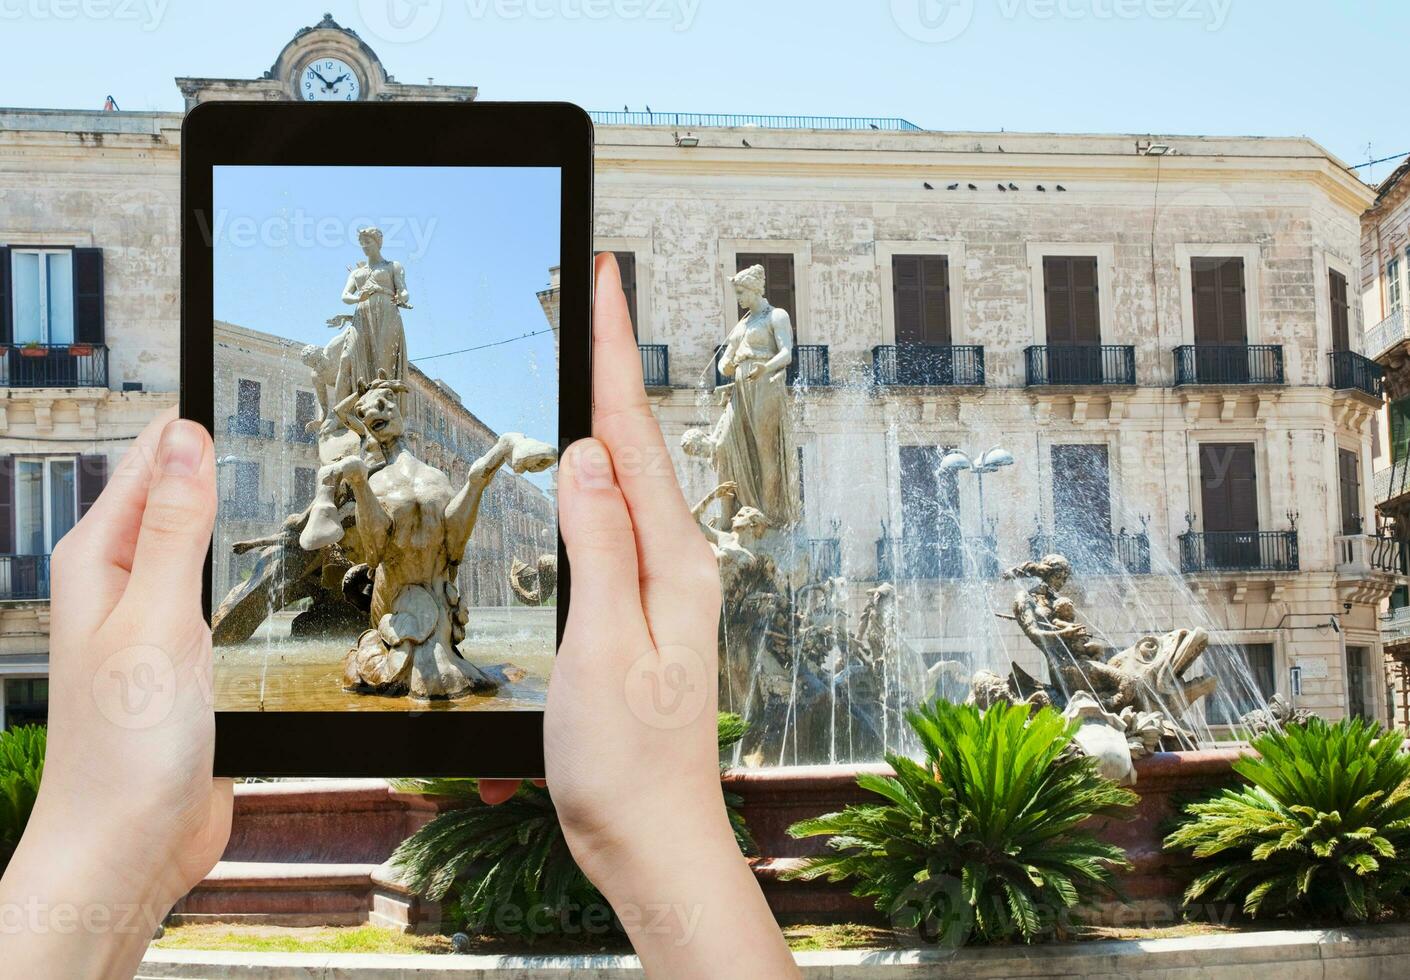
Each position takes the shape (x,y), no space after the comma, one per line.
(486,743)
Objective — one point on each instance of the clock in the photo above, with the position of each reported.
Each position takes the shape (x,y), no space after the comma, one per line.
(328,80)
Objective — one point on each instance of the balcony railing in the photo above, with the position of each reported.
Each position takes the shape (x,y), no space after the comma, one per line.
(810,367)
(702,120)
(824,557)
(53,366)
(655,365)
(244,509)
(240,425)
(24,577)
(1080,364)
(930,560)
(1380,552)
(926,365)
(1238,551)
(1229,364)
(1385,335)
(1352,371)
(1392,482)
(1097,554)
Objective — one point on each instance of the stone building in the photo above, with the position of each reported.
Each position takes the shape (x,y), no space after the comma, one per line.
(1160,333)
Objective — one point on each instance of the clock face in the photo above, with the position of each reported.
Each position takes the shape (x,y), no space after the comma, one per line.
(329,80)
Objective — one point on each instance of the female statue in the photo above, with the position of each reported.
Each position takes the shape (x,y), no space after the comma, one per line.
(752,445)
(376,342)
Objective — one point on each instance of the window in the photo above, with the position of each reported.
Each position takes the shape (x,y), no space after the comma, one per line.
(305,411)
(626,265)
(1399,413)
(1341,311)
(1349,481)
(26,701)
(1246,681)
(1070,301)
(305,483)
(1218,292)
(778,279)
(920,285)
(1357,682)
(1082,505)
(1228,487)
(247,396)
(930,507)
(51,296)
(1393,285)
(244,499)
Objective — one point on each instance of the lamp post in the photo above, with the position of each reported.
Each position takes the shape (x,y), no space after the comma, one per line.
(992,459)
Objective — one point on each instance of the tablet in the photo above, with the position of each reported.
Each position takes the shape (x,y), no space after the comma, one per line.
(385,327)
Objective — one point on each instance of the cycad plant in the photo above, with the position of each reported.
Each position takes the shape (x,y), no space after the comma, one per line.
(21,766)
(508,866)
(1322,830)
(980,842)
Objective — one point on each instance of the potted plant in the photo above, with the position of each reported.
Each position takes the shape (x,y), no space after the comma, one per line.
(33,349)
(80,350)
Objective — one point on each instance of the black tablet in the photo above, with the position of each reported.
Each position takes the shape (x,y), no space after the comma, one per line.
(385,326)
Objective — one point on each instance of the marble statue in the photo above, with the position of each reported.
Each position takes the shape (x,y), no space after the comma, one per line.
(376,287)
(752,445)
(533,585)
(412,528)
(1278,715)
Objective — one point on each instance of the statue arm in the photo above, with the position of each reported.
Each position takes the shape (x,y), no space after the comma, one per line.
(727,355)
(399,293)
(351,294)
(374,524)
(783,338)
(464,508)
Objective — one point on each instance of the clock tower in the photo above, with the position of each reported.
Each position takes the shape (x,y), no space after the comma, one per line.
(323,63)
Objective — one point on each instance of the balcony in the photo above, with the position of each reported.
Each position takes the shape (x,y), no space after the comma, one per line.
(1079,364)
(1238,551)
(1229,364)
(1358,553)
(54,366)
(1353,372)
(1385,335)
(245,509)
(925,365)
(24,577)
(1099,554)
(922,560)
(240,425)
(655,365)
(1392,482)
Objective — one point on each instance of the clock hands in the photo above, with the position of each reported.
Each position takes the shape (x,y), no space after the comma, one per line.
(326,84)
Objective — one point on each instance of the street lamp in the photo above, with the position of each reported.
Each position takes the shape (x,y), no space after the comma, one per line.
(992,459)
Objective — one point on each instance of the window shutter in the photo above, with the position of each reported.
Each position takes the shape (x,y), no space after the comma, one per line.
(1086,317)
(1233,323)
(1341,312)
(626,267)
(7,505)
(1228,487)
(7,302)
(935,299)
(1057,298)
(1349,473)
(906,291)
(92,477)
(88,295)
(1204,276)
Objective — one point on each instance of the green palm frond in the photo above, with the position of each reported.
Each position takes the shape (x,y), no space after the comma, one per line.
(1320,830)
(981,841)
(21,766)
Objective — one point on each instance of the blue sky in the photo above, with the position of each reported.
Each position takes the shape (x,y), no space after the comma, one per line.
(476,243)
(1259,67)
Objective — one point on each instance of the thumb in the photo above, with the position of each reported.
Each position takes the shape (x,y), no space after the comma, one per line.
(169,560)
(597,532)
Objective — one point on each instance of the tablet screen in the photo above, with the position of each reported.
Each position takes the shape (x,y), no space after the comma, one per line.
(386,422)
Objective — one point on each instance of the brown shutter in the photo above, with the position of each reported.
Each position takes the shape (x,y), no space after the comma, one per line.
(1218,287)
(1086,318)
(1233,322)
(1204,275)
(1070,299)
(7,304)
(906,291)
(1349,480)
(920,506)
(88,295)
(935,299)
(626,266)
(1082,490)
(92,477)
(7,505)
(1228,487)
(1341,311)
(1057,298)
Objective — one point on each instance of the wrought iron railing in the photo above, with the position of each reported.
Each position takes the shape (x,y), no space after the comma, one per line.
(1381,552)
(824,557)
(903,559)
(245,509)
(924,364)
(24,577)
(53,366)
(1080,364)
(1353,371)
(725,119)
(1243,551)
(1229,364)
(1385,335)
(240,425)
(1393,481)
(1097,553)
(655,365)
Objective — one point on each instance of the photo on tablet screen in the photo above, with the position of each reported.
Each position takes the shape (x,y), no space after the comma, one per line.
(386,396)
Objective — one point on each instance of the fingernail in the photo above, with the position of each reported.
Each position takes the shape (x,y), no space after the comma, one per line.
(181,448)
(592,467)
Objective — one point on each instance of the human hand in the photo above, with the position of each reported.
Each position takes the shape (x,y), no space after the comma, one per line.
(128,817)
(629,728)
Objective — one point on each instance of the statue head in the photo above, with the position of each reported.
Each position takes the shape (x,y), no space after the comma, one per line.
(749,522)
(371,241)
(749,285)
(697,442)
(377,408)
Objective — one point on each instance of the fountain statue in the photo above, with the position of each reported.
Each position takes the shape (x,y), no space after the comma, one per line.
(382,541)
(533,585)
